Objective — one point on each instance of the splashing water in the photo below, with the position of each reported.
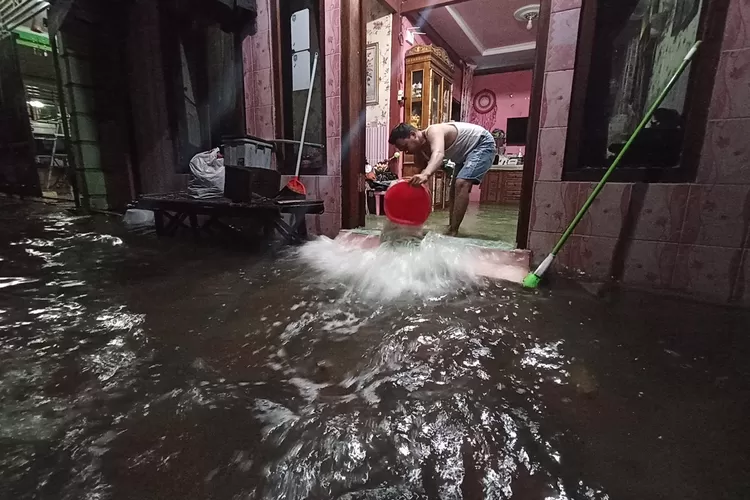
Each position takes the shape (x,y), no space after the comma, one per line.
(403,265)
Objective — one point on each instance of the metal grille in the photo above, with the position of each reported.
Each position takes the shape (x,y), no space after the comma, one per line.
(13,13)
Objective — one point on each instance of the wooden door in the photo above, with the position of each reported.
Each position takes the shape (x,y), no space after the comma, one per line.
(17,169)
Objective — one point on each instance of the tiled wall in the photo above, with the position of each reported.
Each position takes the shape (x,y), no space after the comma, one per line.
(688,238)
(260,106)
(258,75)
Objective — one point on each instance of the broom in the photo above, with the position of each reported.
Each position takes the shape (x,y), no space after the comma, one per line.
(532,279)
(294,188)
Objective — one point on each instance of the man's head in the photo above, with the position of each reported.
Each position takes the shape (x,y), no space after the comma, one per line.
(406,138)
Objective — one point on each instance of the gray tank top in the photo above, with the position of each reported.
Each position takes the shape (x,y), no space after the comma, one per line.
(467,139)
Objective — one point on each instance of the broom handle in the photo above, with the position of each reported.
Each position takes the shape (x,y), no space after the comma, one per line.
(307,112)
(688,58)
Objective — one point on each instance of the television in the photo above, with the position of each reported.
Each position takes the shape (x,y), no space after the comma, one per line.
(515,131)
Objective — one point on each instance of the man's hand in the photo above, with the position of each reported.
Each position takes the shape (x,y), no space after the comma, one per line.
(419,179)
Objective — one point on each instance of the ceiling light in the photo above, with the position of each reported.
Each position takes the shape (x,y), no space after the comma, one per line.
(36,104)
(527,14)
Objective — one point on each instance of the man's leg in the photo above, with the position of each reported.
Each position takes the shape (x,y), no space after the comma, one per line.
(477,163)
(460,204)
(452,202)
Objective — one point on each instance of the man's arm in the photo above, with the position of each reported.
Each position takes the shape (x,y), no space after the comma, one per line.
(436,138)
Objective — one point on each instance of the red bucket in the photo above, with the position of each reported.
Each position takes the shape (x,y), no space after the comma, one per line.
(408,205)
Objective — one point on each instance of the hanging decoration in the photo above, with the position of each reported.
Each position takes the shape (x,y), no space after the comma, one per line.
(484,109)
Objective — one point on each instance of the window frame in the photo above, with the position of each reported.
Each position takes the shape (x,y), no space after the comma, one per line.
(285,153)
(698,100)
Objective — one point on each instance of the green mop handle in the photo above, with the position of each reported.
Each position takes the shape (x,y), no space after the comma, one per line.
(685,62)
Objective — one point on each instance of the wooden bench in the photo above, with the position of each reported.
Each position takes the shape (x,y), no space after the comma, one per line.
(171,210)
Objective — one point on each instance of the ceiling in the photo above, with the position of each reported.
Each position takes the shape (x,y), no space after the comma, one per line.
(484,32)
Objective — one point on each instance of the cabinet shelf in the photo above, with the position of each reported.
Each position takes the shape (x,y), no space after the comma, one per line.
(429,70)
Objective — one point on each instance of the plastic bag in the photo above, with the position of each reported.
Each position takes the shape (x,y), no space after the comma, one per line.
(139,221)
(206,175)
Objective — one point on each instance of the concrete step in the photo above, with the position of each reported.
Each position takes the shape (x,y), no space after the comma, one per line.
(491,260)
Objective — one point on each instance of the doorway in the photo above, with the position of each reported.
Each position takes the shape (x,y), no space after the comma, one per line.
(37,142)
(491,83)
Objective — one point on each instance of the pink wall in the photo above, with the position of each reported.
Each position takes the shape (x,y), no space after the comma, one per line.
(260,114)
(257,71)
(512,92)
(689,238)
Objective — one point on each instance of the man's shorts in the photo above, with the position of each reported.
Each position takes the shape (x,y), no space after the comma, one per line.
(479,160)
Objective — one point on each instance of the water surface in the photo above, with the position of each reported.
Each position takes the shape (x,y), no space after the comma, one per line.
(132,368)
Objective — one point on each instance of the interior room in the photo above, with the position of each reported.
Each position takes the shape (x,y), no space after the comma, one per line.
(468,61)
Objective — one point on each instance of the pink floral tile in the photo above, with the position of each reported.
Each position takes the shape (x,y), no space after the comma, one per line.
(737,29)
(716,215)
(247,55)
(330,192)
(333,117)
(333,155)
(553,206)
(333,75)
(264,15)
(591,255)
(263,88)
(726,153)
(541,244)
(250,121)
(650,264)
(560,5)
(607,212)
(551,154)
(249,84)
(262,50)
(332,4)
(264,123)
(333,31)
(662,213)
(707,272)
(563,37)
(731,97)
(312,186)
(556,100)
(327,224)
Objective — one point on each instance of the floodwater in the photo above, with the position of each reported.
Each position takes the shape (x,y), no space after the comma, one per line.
(491,222)
(133,368)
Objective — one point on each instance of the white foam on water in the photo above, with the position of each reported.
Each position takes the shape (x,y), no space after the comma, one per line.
(428,268)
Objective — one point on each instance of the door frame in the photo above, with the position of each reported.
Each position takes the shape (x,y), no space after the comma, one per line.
(535,115)
(353,109)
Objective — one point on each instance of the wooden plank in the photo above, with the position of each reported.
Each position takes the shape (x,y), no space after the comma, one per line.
(353,41)
(395,106)
(393,5)
(409,6)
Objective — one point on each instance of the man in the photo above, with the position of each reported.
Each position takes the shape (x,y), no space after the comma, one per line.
(469,146)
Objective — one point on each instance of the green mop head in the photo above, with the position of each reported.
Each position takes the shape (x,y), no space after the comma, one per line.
(531,281)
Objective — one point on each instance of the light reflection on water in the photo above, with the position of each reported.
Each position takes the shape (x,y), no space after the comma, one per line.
(141,371)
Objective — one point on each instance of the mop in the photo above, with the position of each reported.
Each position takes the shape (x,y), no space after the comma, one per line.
(532,279)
